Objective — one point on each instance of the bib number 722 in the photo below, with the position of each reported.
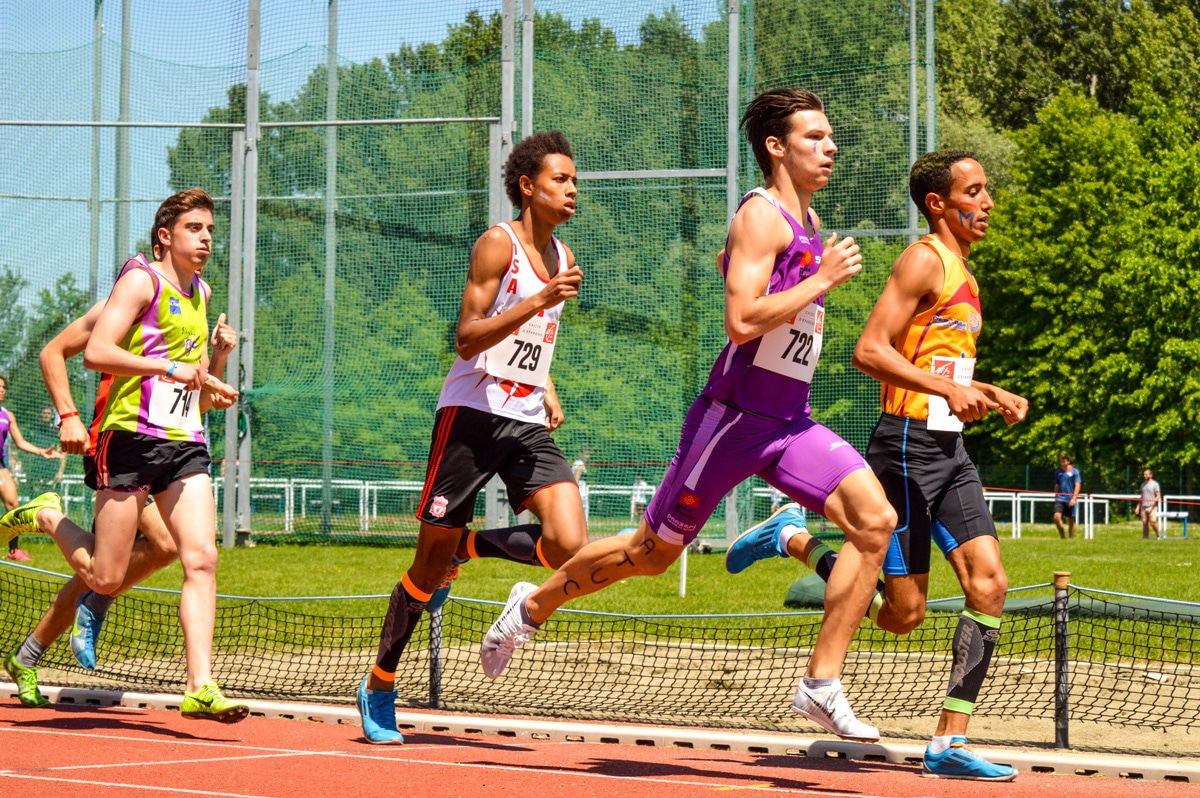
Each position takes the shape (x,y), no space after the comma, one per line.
(529,354)
(802,344)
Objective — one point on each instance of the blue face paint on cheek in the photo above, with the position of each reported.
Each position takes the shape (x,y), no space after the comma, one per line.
(966,219)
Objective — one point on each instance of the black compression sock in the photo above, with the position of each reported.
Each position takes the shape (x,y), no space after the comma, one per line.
(974,640)
(514,543)
(404,613)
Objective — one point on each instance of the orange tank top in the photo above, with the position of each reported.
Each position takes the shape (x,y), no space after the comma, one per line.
(942,338)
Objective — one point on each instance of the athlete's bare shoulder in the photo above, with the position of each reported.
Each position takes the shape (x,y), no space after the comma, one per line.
(816,219)
(918,271)
(570,256)
(491,254)
(137,281)
(760,221)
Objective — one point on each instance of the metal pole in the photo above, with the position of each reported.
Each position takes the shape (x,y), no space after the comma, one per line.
(435,657)
(1062,653)
(731,113)
(507,88)
(121,182)
(327,369)
(731,516)
(930,81)
(250,239)
(229,477)
(94,197)
(912,109)
(527,69)
(683,572)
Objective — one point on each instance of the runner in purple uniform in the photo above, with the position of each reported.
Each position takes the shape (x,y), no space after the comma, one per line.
(753,415)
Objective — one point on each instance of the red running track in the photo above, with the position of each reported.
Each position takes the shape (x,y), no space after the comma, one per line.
(109,752)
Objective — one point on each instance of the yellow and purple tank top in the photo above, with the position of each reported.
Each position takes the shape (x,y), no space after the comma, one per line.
(174,326)
(942,338)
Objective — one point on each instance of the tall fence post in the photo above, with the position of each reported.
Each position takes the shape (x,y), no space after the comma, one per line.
(435,657)
(1062,653)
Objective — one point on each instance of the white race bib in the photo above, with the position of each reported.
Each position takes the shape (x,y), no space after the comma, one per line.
(793,348)
(959,369)
(525,355)
(172,406)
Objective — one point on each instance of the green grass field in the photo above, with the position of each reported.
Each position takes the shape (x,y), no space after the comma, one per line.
(1117,559)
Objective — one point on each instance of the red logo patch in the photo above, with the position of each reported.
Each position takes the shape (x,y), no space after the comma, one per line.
(551,331)
(806,259)
(437,507)
(689,500)
(819,326)
(945,370)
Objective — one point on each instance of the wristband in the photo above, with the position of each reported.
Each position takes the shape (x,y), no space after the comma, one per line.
(64,416)
(174,365)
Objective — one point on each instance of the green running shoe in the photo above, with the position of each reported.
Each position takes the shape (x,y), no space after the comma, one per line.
(208,703)
(23,520)
(26,679)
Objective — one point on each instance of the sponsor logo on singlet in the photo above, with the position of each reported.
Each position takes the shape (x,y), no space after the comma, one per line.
(682,526)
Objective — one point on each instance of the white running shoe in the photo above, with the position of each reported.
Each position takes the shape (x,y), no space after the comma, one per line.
(508,633)
(827,707)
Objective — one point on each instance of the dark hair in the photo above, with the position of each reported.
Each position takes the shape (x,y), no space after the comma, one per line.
(175,206)
(1065,456)
(931,175)
(770,114)
(526,158)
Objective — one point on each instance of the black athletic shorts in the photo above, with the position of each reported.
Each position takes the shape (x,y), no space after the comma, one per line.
(130,462)
(934,488)
(1065,509)
(469,447)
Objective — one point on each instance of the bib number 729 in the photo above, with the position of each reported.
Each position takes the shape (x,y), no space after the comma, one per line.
(529,354)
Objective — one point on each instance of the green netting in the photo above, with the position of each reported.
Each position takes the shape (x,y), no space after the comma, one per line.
(635,86)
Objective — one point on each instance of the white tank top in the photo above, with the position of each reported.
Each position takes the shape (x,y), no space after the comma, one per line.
(469,384)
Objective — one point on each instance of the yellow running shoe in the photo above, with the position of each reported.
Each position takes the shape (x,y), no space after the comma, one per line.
(208,703)
(23,520)
(26,679)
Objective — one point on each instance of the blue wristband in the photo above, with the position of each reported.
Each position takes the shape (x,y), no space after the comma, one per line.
(174,365)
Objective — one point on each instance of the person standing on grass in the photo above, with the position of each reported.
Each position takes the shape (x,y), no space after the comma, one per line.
(153,550)
(150,342)
(495,415)
(1067,481)
(8,482)
(753,416)
(1151,493)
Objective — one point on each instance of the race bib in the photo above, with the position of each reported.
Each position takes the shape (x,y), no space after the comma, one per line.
(959,369)
(172,406)
(525,355)
(793,348)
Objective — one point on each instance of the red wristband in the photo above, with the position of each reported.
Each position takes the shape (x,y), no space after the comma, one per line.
(64,416)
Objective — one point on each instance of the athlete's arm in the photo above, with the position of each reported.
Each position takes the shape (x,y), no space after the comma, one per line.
(916,276)
(129,299)
(554,411)
(1078,485)
(72,434)
(217,395)
(24,445)
(757,235)
(1011,406)
(478,332)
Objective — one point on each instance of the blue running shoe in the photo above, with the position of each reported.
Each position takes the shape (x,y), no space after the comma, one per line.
(85,632)
(761,542)
(439,596)
(378,711)
(960,762)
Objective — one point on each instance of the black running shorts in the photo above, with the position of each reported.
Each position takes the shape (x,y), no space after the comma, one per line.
(934,488)
(469,447)
(130,462)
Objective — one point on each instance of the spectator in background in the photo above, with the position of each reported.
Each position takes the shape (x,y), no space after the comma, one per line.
(641,490)
(1067,482)
(8,479)
(579,471)
(1148,505)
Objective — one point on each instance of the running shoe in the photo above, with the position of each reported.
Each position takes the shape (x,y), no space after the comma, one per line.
(23,520)
(508,633)
(20,555)
(85,633)
(438,598)
(377,708)
(208,703)
(761,541)
(960,762)
(26,680)
(828,708)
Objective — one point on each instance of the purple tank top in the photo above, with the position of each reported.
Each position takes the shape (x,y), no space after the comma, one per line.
(734,379)
(4,425)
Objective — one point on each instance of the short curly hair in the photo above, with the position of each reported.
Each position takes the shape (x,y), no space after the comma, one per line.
(526,158)
(931,175)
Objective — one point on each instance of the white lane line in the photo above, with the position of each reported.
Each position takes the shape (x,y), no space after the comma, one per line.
(82,782)
(212,760)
